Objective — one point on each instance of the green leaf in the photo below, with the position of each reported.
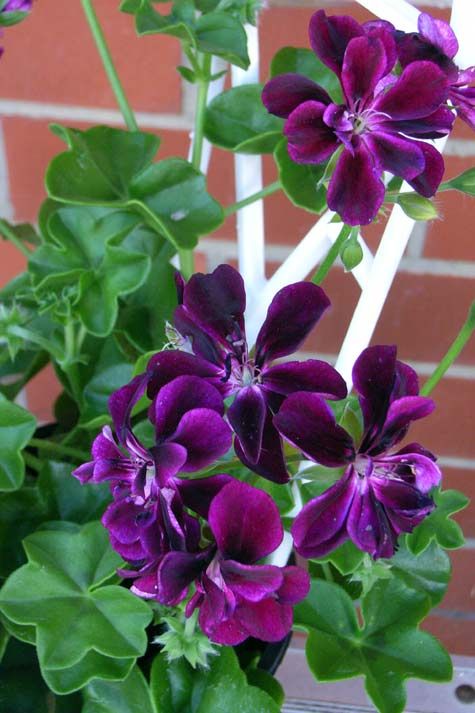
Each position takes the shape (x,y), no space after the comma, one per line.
(299,60)
(132,695)
(237,120)
(439,525)
(7,19)
(262,679)
(223,35)
(82,255)
(67,499)
(465,182)
(83,630)
(21,512)
(427,572)
(417,207)
(16,428)
(387,649)
(222,688)
(302,183)
(346,558)
(24,232)
(149,21)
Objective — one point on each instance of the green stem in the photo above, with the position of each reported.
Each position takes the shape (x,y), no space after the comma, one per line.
(32,461)
(59,448)
(327,573)
(10,235)
(109,67)
(332,255)
(458,344)
(187,263)
(266,191)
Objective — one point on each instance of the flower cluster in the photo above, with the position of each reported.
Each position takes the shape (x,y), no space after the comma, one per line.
(202,539)
(385,115)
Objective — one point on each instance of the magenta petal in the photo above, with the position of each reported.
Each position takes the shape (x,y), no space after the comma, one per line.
(217,300)
(121,403)
(245,522)
(183,394)
(356,191)
(267,620)
(396,494)
(271,462)
(146,586)
(247,416)
(198,493)
(284,93)
(292,314)
(196,338)
(176,572)
(329,37)
(373,379)
(400,414)
(310,375)
(464,101)
(295,587)
(169,459)
(364,64)
(206,437)
(321,524)
(383,31)
(308,423)
(396,154)
(438,33)
(427,182)
(227,633)
(368,525)
(406,382)
(122,519)
(433,126)
(168,365)
(419,91)
(310,139)
(252,582)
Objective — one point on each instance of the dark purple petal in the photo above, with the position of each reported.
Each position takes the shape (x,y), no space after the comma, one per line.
(295,587)
(121,403)
(373,379)
(464,101)
(168,365)
(217,301)
(465,76)
(407,520)
(267,620)
(396,494)
(356,191)
(364,64)
(228,633)
(292,315)
(180,287)
(414,48)
(172,513)
(432,126)
(321,524)
(419,91)
(169,459)
(247,417)
(329,37)
(368,525)
(206,437)
(400,414)
(271,462)
(383,31)
(427,182)
(218,603)
(181,395)
(122,519)
(308,423)
(284,93)
(245,522)
(198,493)
(252,582)
(438,33)
(145,586)
(176,572)
(416,468)
(85,472)
(200,343)
(310,139)
(396,154)
(310,375)
(406,382)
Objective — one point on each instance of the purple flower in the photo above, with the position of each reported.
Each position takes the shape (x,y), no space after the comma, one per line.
(237,597)
(372,127)
(210,320)
(17,6)
(380,494)
(436,42)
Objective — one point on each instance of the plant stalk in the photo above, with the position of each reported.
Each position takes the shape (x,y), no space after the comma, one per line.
(332,255)
(266,191)
(45,445)
(109,66)
(12,238)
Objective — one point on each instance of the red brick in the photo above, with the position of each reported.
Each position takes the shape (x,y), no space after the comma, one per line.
(42,392)
(457,635)
(461,591)
(464,481)
(51,57)
(11,262)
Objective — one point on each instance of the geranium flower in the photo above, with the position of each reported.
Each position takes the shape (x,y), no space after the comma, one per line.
(17,6)
(237,597)
(210,320)
(381,494)
(372,126)
(436,42)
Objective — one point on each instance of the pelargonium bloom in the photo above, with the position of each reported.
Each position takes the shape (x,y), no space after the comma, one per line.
(210,321)
(381,493)
(17,6)
(372,128)
(437,42)
(236,596)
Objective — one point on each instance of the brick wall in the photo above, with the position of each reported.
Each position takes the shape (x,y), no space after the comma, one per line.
(51,73)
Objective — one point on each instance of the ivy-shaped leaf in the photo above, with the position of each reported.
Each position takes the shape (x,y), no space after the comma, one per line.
(132,695)
(298,60)
(222,688)
(65,497)
(17,426)
(387,649)
(302,183)
(169,196)
(83,254)
(83,630)
(237,120)
(222,34)
(439,525)
(427,572)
